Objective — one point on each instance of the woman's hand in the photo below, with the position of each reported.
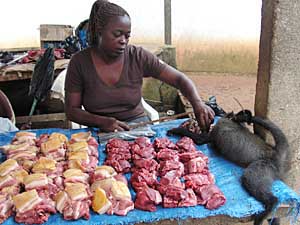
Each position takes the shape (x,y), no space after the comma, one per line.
(113,125)
(204,115)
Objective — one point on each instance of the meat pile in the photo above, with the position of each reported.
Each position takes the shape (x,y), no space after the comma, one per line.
(46,174)
(174,175)
(113,189)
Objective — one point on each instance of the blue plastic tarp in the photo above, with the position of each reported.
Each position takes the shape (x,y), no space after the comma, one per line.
(227,175)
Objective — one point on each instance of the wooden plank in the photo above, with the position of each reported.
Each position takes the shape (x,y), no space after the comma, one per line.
(15,76)
(42,118)
(24,71)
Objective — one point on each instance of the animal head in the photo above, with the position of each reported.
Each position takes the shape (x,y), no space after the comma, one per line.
(244,116)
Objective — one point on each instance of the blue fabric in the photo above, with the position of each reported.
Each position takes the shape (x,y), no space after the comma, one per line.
(239,204)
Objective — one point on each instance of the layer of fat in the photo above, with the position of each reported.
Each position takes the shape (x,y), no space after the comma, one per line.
(78,146)
(60,201)
(61,137)
(16,147)
(26,134)
(73,172)
(19,175)
(26,201)
(81,136)
(11,190)
(6,179)
(51,145)
(120,190)
(35,180)
(44,165)
(78,156)
(76,191)
(106,203)
(106,171)
(75,164)
(8,166)
(105,184)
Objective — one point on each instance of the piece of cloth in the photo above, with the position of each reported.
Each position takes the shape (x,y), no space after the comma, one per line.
(6,125)
(121,101)
(239,203)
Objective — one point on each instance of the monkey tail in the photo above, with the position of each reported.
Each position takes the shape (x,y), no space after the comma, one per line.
(257,179)
(282,153)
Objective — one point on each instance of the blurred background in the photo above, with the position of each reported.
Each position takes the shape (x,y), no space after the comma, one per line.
(209,35)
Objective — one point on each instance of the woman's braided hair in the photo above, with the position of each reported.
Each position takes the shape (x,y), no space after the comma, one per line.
(102,11)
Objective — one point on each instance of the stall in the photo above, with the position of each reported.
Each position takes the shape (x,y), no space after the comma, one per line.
(239,206)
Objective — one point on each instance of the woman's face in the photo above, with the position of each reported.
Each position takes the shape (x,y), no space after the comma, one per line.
(115,36)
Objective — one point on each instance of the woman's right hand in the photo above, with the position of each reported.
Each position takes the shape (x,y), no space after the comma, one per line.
(113,125)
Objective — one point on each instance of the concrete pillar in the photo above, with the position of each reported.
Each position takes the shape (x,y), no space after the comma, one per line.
(168,22)
(278,80)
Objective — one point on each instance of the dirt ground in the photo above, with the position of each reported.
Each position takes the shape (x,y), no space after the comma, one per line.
(226,87)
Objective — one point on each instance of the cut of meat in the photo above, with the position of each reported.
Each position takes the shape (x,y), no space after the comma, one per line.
(163,143)
(121,166)
(31,208)
(169,165)
(143,178)
(199,179)
(186,144)
(147,164)
(147,199)
(188,199)
(6,205)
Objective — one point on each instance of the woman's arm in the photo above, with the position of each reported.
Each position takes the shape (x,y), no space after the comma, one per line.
(6,109)
(75,113)
(203,113)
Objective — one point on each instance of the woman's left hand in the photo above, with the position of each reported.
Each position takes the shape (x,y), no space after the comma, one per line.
(204,115)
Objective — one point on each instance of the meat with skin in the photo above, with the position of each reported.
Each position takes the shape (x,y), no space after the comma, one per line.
(121,207)
(74,202)
(102,172)
(75,176)
(54,149)
(6,206)
(31,208)
(42,138)
(24,137)
(7,181)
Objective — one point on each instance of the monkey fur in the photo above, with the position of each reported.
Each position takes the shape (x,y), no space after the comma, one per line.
(263,162)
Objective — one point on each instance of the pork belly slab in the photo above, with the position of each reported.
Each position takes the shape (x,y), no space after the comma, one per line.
(31,208)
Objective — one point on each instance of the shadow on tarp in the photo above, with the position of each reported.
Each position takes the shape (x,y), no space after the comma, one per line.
(227,175)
